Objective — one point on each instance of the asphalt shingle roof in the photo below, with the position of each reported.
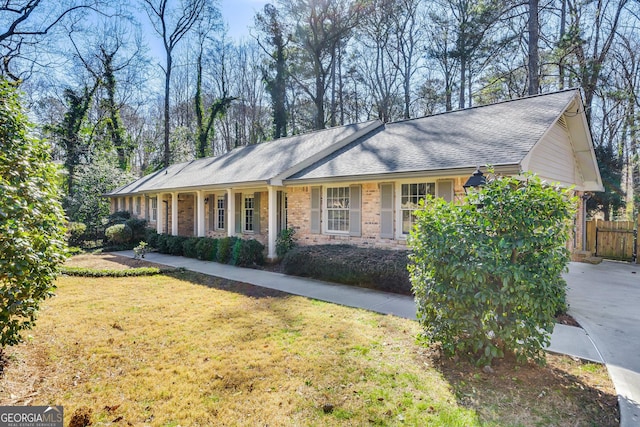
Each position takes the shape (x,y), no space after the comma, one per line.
(496,134)
(253,163)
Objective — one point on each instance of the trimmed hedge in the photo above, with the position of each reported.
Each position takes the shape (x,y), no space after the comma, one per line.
(381,269)
(228,250)
(90,272)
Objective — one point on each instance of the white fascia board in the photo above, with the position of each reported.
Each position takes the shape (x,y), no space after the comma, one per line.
(505,169)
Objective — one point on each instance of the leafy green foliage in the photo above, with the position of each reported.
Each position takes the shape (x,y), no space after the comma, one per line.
(611,200)
(141,250)
(75,233)
(247,253)
(87,205)
(174,245)
(227,250)
(151,237)
(206,249)
(487,278)
(189,247)
(129,272)
(380,269)
(225,245)
(31,221)
(119,233)
(285,241)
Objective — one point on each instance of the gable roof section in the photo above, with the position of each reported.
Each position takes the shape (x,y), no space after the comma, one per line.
(250,165)
(499,134)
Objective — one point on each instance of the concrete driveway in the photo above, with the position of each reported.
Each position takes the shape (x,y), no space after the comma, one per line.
(605,300)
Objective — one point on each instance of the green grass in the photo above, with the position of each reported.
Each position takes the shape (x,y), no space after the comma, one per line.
(166,350)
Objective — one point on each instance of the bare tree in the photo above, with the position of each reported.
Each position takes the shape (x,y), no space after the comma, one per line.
(171,24)
(26,22)
(321,26)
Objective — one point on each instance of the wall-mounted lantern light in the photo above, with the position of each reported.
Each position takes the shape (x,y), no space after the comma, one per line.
(476,180)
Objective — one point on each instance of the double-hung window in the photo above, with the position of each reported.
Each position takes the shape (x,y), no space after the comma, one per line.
(220,222)
(411,194)
(249,211)
(337,205)
(153,209)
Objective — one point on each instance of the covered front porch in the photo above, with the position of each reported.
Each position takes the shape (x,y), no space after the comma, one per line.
(258,213)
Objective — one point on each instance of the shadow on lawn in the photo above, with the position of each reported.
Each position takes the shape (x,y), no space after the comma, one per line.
(528,391)
(245,289)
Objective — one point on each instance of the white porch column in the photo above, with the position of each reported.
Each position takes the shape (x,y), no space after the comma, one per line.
(200,212)
(231,213)
(273,222)
(174,213)
(159,213)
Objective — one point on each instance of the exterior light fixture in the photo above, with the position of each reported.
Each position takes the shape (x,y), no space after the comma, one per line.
(476,180)
(206,200)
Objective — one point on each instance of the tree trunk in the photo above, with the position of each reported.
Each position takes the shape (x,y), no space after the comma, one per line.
(534,62)
(167,85)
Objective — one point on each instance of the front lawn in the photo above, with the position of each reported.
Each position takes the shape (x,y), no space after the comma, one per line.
(187,349)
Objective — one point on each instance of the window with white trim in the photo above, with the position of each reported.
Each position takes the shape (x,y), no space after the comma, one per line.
(221,210)
(411,194)
(337,205)
(249,205)
(138,205)
(153,209)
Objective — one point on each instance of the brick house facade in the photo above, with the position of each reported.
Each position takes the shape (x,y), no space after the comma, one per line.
(359,184)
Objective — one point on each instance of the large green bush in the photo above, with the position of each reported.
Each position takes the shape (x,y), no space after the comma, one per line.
(189,247)
(247,253)
(487,275)
(225,246)
(285,241)
(32,235)
(119,234)
(380,269)
(206,248)
(76,233)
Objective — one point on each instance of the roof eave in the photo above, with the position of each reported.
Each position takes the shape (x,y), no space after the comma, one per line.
(505,169)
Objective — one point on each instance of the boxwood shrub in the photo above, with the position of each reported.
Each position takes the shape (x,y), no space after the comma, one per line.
(206,248)
(381,269)
(227,250)
(189,247)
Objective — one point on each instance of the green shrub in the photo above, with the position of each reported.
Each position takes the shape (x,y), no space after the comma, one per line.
(75,233)
(174,245)
(119,217)
(138,228)
(119,234)
(189,247)
(151,237)
(31,227)
(247,253)
(141,250)
(380,269)
(206,248)
(162,243)
(487,278)
(285,241)
(225,245)
(130,272)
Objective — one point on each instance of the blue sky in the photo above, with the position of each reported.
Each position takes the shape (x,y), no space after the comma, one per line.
(238,14)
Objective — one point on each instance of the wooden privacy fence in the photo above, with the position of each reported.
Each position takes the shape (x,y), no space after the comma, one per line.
(612,239)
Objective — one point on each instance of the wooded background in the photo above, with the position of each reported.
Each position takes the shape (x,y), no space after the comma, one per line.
(120,90)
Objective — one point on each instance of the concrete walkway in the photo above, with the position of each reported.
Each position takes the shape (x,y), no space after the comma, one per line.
(587,343)
(605,300)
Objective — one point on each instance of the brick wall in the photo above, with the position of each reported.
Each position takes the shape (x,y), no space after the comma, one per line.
(186,214)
